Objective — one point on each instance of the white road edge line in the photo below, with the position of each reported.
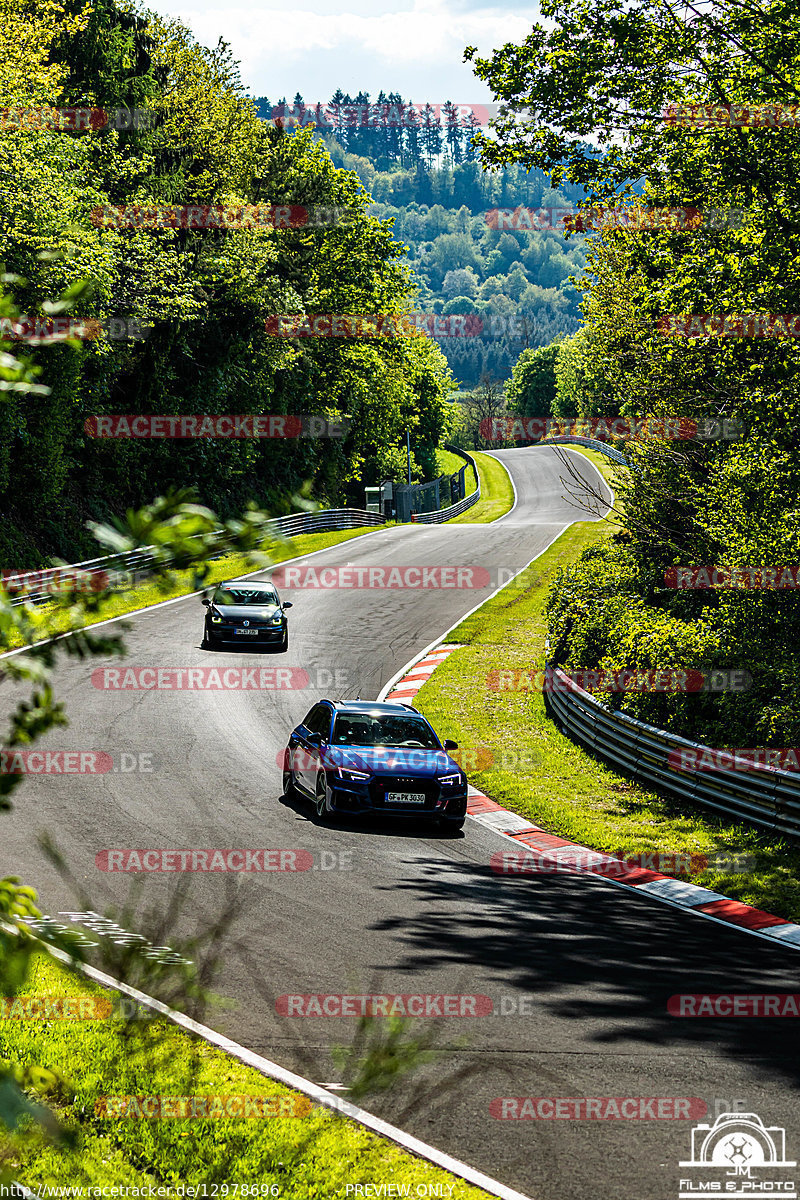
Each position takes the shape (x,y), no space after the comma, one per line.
(135,612)
(384,692)
(279,1073)
(513,487)
(507,837)
(264,1065)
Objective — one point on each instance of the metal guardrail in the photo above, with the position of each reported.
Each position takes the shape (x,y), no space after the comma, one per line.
(45,581)
(769,798)
(590,443)
(327,518)
(455,510)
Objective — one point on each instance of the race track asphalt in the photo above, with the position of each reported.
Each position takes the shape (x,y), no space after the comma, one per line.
(591,966)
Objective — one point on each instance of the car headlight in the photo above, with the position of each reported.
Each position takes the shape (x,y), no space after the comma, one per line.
(352,776)
(277,621)
(450,779)
(216,620)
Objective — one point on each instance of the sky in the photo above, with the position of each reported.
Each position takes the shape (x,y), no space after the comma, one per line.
(414,47)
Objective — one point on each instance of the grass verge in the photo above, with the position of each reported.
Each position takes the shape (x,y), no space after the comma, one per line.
(555,783)
(449,463)
(497,493)
(51,619)
(300,1157)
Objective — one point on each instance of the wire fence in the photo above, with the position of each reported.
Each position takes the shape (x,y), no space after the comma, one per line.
(455,510)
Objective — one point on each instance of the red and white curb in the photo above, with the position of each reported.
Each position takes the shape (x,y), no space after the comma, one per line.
(664,888)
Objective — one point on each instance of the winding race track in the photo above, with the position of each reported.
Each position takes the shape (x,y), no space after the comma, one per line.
(579,972)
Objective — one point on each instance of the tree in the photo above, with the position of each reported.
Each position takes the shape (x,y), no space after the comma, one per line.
(532,388)
(612,72)
(461,282)
(480,409)
(581,390)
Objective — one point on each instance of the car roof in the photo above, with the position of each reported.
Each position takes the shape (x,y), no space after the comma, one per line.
(371,706)
(248,583)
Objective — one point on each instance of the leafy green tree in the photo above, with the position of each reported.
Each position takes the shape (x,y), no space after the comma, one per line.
(581,390)
(610,74)
(531,391)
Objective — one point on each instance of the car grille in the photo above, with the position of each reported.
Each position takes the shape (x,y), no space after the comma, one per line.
(382,784)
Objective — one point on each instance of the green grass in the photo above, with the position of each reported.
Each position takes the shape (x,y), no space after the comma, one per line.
(557,785)
(497,494)
(449,463)
(304,1157)
(51,619)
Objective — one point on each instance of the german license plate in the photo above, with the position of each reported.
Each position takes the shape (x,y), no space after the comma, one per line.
(246,632)
(405,797)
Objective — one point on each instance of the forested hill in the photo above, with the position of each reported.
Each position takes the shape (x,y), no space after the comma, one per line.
(204,291)
(428,181)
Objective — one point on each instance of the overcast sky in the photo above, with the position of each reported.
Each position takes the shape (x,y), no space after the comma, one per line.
(413,47)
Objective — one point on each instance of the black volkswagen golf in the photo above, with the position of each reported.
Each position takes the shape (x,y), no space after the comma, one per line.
(241,611)
(363,756)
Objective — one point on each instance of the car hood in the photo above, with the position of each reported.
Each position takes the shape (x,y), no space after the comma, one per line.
(254,612)
(390,760)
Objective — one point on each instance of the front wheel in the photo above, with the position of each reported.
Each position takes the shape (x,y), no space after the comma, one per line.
(320,803)
(288,784)
(283,646)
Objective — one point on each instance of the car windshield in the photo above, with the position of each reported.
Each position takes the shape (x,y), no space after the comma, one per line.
(245,595)
(368,729)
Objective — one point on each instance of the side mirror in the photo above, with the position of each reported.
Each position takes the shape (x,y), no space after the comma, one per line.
(449,745)
(206,602)
(314,739)
(287,604)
